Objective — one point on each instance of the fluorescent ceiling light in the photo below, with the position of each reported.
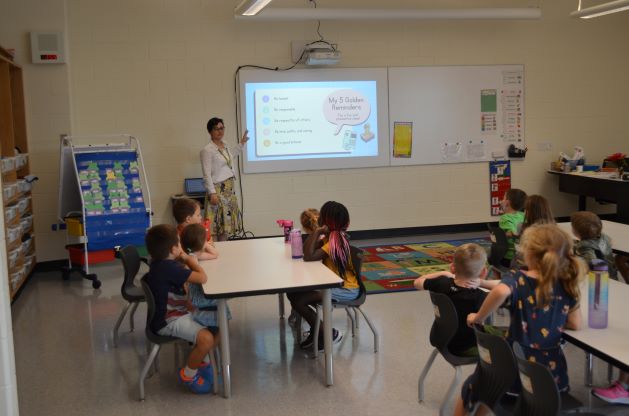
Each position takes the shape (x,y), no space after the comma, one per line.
(394,14)
(601,9)
(251,7)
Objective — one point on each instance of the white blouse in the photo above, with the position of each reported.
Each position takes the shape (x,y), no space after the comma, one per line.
(218,165)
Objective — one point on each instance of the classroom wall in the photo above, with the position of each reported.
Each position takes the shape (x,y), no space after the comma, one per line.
(159,69)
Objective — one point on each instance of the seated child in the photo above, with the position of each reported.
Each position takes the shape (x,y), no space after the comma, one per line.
(461,286)
(308,219)
(328,243)
(536,211)
(188,211)
(166,279)
(512,219)
(543,301)
(193,240)
(592,244)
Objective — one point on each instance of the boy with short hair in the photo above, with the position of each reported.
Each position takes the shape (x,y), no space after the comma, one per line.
(511,220)
(461,286)
(166,279)
(593,243)
(188,211)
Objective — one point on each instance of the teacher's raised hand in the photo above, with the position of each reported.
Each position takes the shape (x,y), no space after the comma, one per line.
(245,137)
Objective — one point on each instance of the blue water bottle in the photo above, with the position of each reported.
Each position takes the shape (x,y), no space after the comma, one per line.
(598,290)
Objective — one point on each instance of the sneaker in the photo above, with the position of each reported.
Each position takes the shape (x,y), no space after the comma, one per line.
(196,384)
(612,394)
(307,343)
(207,372)
(292,318)
(337,336)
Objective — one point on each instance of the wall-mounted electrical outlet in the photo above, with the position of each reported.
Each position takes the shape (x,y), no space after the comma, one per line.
(544,146)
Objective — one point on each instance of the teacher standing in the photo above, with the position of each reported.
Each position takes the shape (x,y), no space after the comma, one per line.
(217,162)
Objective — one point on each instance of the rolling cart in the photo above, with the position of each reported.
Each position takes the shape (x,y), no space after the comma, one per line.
(104,199)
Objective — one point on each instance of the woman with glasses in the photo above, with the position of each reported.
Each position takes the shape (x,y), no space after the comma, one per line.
(218,162)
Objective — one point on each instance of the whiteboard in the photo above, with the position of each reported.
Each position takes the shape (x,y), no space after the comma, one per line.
(458,113)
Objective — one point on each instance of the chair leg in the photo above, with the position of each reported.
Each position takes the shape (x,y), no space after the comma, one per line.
(355,317)
(610,373)
(118,322)
(298,325)
(214,363)
(280,297)
(131,315)
(451,390)
(424,373)
(376,337)
(147,366)
(315,344)
(351,318)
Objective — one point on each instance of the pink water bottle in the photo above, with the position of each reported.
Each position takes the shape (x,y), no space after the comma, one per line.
(296,244)
(287,225)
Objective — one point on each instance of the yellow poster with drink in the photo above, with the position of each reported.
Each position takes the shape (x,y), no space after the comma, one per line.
(402,139)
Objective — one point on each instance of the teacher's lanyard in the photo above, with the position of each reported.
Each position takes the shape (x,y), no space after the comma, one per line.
(226,156)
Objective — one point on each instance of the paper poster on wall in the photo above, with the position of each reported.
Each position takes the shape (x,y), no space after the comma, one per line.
(451,152)
(499,184)
(476,150)
(511,109)
(488,109)
(402,139)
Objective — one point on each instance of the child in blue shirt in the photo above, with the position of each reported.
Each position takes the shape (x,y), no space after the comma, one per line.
(543,301)
(166,279)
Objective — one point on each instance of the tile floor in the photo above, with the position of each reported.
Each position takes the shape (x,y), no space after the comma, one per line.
(66,363)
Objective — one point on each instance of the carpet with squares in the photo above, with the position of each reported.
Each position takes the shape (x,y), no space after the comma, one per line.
(393,268)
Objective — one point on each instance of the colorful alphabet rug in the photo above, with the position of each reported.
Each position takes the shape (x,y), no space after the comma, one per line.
(393,268)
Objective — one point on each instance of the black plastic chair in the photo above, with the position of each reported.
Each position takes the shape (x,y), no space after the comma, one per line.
(159,340)
(443,330)
(499,247)
(131,261)
(497,370)
(539,395)
(351,305)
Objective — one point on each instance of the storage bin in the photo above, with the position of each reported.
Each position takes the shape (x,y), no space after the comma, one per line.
(26,223)
(16,279)
(24,205)
(20,160)
(27,247)
(77,256)
(74,226)
(29,261)
(9,191)
(10,213)
(23,186)
(13,234)
(7,164)
(13,256)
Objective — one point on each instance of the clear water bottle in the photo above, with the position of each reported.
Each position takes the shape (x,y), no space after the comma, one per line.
(598,290)
(296,244)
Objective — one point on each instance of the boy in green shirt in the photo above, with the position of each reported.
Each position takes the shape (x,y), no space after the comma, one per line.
(512,219)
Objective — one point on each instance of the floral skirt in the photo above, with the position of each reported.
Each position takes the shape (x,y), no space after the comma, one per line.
(225,216)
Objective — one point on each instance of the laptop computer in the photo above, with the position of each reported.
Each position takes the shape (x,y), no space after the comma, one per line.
(194,186)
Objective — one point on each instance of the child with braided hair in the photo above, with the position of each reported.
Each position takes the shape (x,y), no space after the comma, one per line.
(328,243)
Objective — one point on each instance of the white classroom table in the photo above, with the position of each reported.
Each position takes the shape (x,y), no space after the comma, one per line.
(619,234)
(612,343)
(259,267)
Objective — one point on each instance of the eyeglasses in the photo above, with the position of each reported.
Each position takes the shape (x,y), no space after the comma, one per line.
(219,128)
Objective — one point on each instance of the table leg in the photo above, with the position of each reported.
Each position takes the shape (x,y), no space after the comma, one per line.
(225,357)
(589,367)
(327,336)
(582,202)
(281,301)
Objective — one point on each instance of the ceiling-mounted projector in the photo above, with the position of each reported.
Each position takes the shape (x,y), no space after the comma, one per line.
(322,56)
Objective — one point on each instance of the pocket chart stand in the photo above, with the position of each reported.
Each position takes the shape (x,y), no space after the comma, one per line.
(104,199)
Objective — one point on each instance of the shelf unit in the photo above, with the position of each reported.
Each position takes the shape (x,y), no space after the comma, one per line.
(17,204)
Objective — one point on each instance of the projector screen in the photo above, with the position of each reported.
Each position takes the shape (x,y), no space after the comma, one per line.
(311,119)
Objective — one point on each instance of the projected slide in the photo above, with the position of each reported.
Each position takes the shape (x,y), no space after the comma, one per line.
(301,120)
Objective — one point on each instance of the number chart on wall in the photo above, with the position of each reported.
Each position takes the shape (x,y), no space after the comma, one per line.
(455,114)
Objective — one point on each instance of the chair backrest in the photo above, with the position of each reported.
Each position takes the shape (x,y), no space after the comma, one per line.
(150,313)
(497,367)
(131,264)
(499,244)
(446,321)
(539,396)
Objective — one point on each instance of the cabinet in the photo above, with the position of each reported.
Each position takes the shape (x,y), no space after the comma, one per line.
(17,204)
